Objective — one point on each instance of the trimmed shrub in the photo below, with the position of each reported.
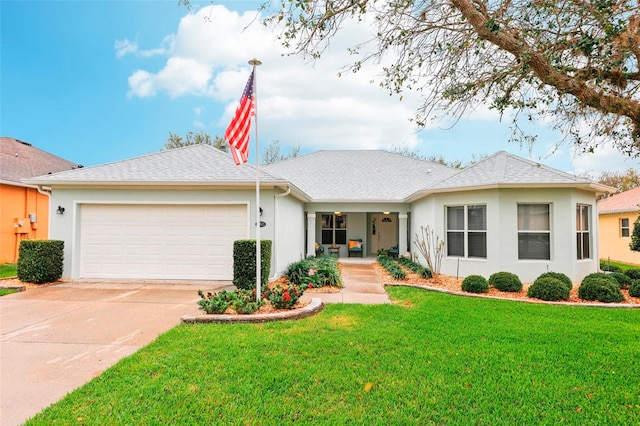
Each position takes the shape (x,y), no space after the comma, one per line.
(634,288)
(548,288)
(244,263)
(505,281)
(608,267)
(40,261)
(622,280)
(634,274)
(602,289)
(475,284)
(558,276)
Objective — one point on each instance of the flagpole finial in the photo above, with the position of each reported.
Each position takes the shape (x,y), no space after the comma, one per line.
(254,62)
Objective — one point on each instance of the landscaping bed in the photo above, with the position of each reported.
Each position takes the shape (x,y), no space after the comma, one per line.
(454,285)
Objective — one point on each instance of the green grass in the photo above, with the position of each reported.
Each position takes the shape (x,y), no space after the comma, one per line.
(7,270)
(431,358)
(5,291)
(622,266)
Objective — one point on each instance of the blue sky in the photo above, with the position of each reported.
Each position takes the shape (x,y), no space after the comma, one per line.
(100,81)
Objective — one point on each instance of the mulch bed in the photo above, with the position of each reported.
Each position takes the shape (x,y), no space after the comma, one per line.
(453,284)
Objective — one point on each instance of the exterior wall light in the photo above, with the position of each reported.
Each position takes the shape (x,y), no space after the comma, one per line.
(60,210)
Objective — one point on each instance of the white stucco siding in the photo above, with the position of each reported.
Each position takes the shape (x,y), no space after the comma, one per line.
(289,225)
(502,231)
(66,227)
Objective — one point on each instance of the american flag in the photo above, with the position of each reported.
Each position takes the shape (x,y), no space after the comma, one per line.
(237,134)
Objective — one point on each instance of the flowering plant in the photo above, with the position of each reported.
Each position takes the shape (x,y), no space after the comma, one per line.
(312,280)
(242,301)
(282,297)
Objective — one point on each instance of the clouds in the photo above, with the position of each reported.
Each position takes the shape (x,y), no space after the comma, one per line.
(180,76)
(316,105)
(299,103)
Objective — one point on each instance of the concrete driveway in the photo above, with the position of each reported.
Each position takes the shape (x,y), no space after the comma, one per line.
(54,339)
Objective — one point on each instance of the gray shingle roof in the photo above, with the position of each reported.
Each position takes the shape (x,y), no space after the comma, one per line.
(503,168)
(359,175)
(195,164)
(20,160)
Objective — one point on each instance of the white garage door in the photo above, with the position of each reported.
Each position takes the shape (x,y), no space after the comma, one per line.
(160,241)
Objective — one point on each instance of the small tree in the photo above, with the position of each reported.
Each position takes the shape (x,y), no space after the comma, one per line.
(272,153)
(635,237)
(176,141)
(431,247)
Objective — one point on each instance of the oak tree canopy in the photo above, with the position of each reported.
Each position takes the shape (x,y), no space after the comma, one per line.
(572,63)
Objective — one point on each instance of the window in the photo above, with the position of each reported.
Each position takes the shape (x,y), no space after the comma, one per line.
(583,241)
(624,227)
(534,232)
(467,231)
(334,229)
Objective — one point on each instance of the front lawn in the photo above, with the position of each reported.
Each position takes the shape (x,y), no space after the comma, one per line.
(622,266)
(431,358)
(7,270)
(5,291)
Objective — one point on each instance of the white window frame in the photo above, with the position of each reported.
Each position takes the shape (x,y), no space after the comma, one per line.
(625,228)
(522,231)
(465,231)
(583,230)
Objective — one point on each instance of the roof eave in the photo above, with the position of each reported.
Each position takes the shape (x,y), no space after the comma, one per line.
(128,183)
(595,187)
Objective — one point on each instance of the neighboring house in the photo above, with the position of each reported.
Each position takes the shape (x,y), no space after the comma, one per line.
(24,210)
(175,214)
(616,216)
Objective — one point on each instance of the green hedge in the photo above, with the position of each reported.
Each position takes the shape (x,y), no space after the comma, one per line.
(40,261)
(475,284)
(603,289)
(244,263)
(548,288)
(505,281)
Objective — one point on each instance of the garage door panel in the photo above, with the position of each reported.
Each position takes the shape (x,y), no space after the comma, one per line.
(160,241)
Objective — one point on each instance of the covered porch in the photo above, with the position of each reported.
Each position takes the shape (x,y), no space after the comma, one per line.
(329,230)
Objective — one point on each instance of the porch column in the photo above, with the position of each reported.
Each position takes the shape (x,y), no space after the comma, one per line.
(311,234)
(402,234)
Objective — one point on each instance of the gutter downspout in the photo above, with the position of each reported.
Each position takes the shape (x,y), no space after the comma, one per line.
(275,227)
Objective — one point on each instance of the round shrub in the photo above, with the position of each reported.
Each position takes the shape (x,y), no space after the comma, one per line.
(475,284)
(548,288)
(634,274)
(602,289)
(634,288)
(622,280)
(505,281)
(600,275)
(563,278)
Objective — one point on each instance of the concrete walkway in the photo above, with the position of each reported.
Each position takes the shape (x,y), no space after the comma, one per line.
(53,339)
(361,284)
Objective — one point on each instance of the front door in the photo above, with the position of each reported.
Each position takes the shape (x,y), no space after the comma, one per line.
(384,231)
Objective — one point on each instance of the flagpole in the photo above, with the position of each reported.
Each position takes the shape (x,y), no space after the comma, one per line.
(254,63)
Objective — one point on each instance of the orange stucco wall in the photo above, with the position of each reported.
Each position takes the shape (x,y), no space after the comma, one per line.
(16,203)
(612,245)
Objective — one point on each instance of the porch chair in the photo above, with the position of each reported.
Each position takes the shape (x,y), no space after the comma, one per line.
(356,247)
